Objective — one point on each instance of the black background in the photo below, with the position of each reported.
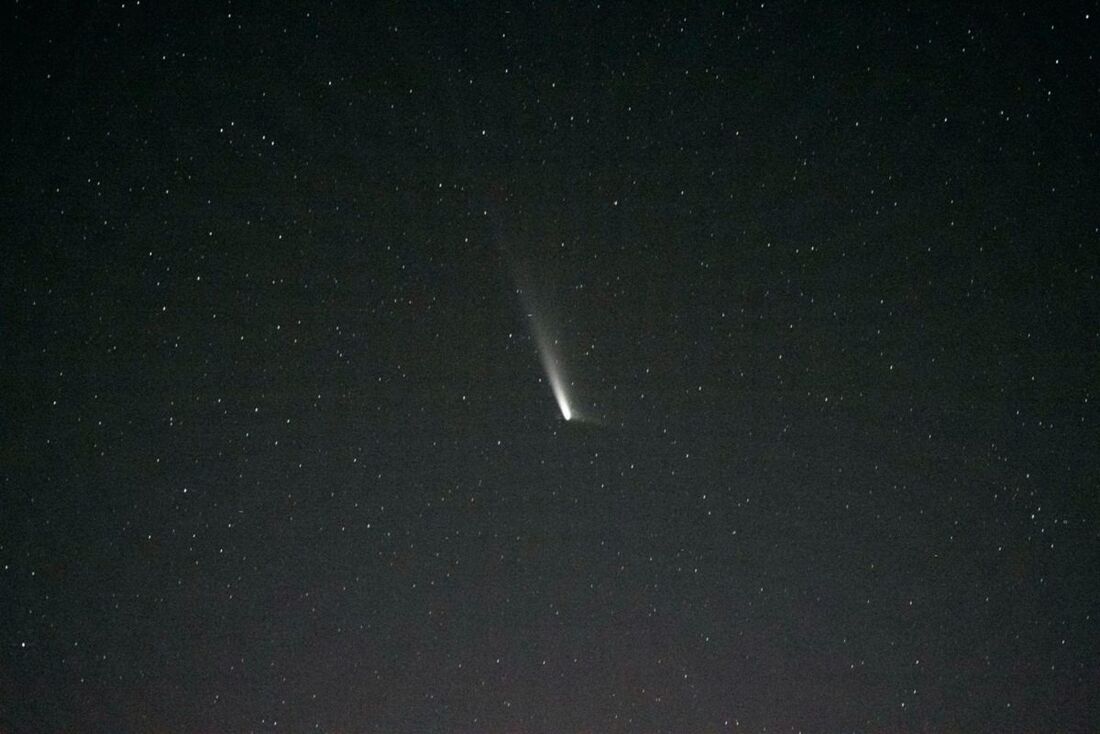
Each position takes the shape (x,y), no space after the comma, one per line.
(278,453)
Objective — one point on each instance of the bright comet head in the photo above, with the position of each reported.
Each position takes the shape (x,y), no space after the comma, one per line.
(549,360)
(558,387)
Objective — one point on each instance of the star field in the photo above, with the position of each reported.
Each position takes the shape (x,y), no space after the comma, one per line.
(283,290)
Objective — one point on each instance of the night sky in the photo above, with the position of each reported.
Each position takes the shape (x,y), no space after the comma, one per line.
(294,304)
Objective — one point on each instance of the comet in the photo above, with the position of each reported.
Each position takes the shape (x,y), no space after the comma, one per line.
(544,340)
(548,357)
(547,346)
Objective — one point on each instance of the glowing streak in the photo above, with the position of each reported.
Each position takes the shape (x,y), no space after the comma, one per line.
(553,372)
(558,387)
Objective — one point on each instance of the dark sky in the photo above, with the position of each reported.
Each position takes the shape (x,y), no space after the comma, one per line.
(278,448)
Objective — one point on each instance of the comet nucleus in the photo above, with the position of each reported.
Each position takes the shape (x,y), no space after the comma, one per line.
(550,363)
